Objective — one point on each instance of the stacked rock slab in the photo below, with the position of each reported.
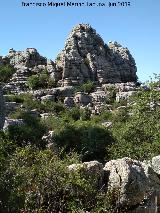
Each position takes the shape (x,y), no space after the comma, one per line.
(86,57)
(2,109)
(26,63)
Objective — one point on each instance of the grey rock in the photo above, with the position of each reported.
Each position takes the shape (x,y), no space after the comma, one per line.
(99,96)
(48,98)
(128,179)
(87,57)
(28,58)
(124,95)
(82,99)
(12,122)
(46,115)
(69,102)
(156,164)
(107,124)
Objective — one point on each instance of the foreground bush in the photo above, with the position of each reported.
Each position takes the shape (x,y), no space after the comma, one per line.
(38,181)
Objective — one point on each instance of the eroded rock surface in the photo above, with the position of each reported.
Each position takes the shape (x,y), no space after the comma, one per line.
(86,57)
(128,179)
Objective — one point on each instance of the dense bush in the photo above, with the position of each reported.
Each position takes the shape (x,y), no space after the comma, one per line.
(40,182)
(87,139)
(41,80)
(6,72)
(87,87)
(138,135)
(35,179)
(29,133)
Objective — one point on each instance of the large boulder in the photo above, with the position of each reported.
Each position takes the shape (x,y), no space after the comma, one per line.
(128,180)
(2,109)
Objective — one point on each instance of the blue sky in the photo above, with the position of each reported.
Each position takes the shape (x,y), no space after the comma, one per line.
(136,27)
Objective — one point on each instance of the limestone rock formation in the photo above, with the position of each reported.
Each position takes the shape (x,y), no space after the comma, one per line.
(26,63)
(86,57)
(128,179)
(2,109)
(28,58)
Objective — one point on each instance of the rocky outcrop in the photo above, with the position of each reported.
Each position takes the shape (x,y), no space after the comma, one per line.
(26,63)
(29,58)
(2,109)
(130,183)
(86,57)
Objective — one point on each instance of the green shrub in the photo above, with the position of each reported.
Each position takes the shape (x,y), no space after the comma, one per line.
(29,133)
(85,114)
(33,82)
(15,98)
(42,80)
(138,135)
(41,182)
(87,87)
(6,72)
(86,139)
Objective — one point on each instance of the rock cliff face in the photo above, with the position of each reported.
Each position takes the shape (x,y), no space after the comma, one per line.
(2,110)
(86,57)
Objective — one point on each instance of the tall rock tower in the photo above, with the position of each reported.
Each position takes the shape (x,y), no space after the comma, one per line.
(86,57)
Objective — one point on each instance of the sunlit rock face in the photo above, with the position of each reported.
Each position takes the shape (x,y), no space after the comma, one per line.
(86,57)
